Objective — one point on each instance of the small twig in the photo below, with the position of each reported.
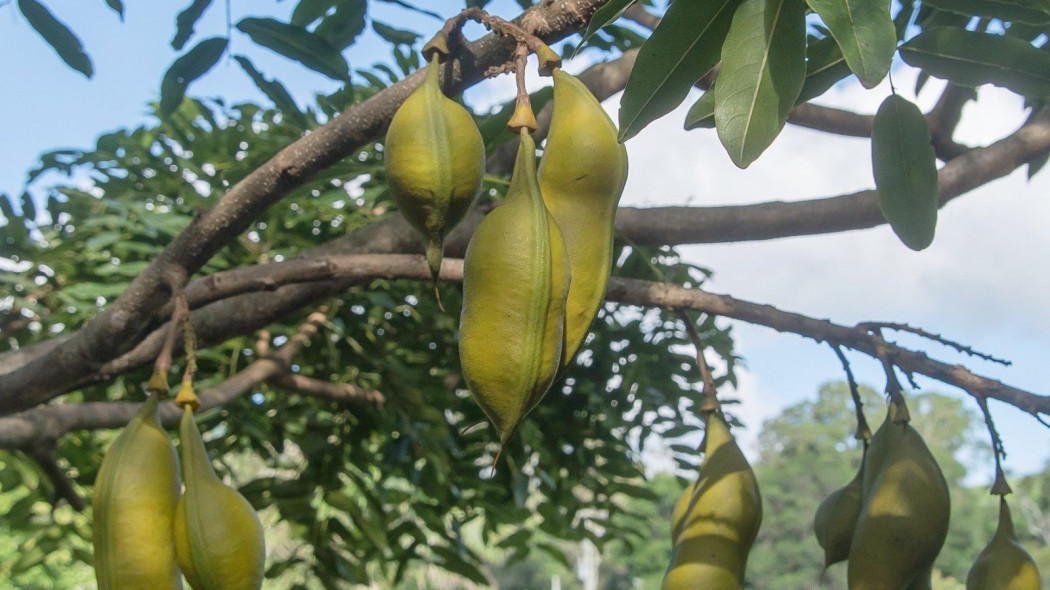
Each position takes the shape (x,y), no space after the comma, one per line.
(64,488)
(875,326)
(893,385)
(863,430)
(339,392)
(158,383)
(710,401)
(1000,485)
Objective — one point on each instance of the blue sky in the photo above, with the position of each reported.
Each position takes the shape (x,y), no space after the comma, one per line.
(980,282)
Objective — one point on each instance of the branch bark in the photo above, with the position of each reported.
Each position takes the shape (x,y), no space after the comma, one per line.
(47,423)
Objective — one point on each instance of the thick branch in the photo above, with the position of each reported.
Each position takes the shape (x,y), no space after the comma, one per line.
(122,323)
(52,421)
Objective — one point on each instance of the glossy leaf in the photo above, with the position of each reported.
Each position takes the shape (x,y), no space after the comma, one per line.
(273,90)
(864,31)
(117,6)
(1035,12)
(187,68)
(605,15)
(186,20)
(970,59)
(763,69)
(686,44)
(57,35)
(342,27)
(394,35)
(825,67)
(905,170)
(702,114)
(297,43)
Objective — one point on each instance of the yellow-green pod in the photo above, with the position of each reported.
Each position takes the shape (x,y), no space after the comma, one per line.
(434,158)
(218,538)
(134,507)
(515,280)
(836,518)
(1004,564)
(717,519)
(582,175)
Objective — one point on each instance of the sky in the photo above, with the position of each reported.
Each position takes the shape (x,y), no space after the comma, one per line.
(981,282)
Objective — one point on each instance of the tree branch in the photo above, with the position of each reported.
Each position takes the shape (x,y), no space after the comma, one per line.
(51,421)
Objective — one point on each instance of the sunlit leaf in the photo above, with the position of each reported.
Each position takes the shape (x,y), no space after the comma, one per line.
(702,114)
(864,31)
(186,20)
(57,35)
(187,68)
(763,69)
(685,45)
(970,59)
(604,16)
(905,170)
(297,43)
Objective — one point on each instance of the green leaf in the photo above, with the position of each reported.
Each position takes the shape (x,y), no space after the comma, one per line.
(415,8)
(273,90)
(393,35)
(28,208)
(702,114)
(187,68)
(308,11)
(341,27)
(57,35)
(117,6)
(905,170)
(825,66)
(763,69)
(865,33)
(603,16)
(297,43)
(970,59)
(185,22)
(1033,12)
(684,47)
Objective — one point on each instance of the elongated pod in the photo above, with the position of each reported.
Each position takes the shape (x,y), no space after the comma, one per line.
(134,508)
(582,175)
(434,158)
(836,518)
(717,519)
(515,280)
(218,539)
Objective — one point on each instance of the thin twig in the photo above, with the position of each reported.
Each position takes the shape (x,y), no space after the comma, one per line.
(64,488)
(1000,486)
(962,348)
(863,430)
(710,401)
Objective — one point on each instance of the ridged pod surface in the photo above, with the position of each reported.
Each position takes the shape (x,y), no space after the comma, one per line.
(434,158)
(836,518)
(582,174)
(717,519)
(515,280)
(1003,564)
(134,508)
(218,538)
(904,519)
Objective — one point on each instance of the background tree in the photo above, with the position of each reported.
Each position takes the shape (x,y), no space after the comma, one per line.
(345,426)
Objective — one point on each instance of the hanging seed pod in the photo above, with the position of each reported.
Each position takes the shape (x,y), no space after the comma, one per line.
(515,280)
(218,538)
(134,507)
(434,158)
(1004,564)
(718,518)
(582,174)
(836,518)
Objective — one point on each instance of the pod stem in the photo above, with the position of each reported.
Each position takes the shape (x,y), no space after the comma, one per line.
(709,403)
(1000,486)
(863,430)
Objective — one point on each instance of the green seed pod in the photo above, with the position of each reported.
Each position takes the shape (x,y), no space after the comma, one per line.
(434,162)
(836,518)
(515,280)
(218,538)
(1003,564)
(717,519)
(134,508)
(582,175)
